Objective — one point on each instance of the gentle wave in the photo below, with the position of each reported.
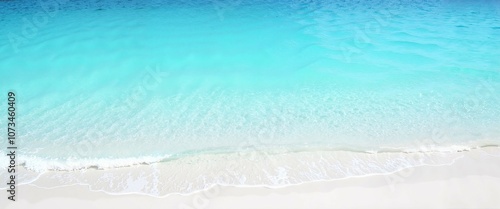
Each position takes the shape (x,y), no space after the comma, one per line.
(200,172)
(41,164)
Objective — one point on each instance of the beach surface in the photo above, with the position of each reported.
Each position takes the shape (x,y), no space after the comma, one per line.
(471,181)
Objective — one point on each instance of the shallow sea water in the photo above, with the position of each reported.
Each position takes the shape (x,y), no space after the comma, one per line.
(119,83)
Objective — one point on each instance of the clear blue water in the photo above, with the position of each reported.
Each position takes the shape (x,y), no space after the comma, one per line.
(132,80)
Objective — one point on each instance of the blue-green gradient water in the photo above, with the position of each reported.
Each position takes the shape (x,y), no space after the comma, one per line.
(104,82)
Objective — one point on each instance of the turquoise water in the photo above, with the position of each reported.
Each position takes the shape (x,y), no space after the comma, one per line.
(117,83)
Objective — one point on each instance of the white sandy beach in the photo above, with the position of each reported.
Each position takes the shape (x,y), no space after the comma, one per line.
(472,181)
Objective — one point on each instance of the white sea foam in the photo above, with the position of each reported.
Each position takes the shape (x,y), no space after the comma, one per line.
(42,164)
(163,176)
(199,172)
